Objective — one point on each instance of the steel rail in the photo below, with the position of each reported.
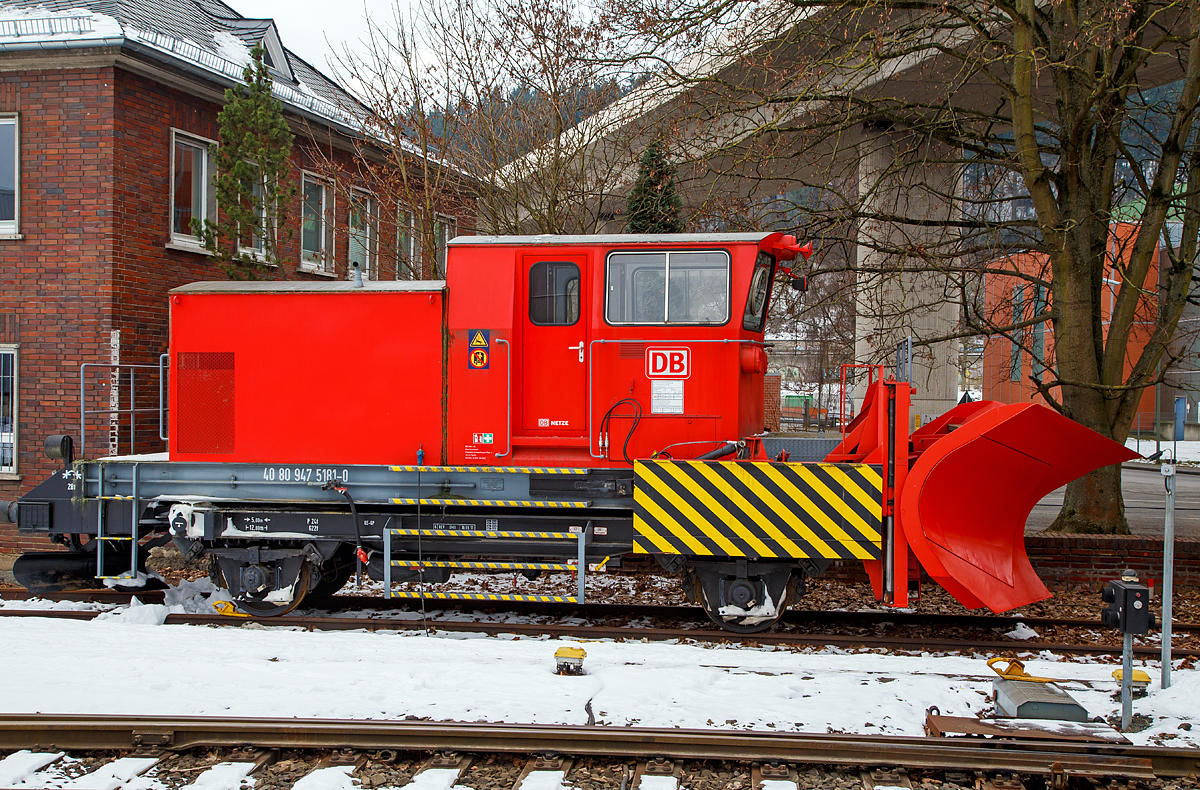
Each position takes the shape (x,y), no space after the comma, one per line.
(79,732)
(693,613)
(584,631)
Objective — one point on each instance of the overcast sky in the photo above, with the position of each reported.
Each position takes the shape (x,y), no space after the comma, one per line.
(315,29)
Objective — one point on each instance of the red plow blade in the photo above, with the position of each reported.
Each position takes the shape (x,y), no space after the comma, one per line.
(966,499)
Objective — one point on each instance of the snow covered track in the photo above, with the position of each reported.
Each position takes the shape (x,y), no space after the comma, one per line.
(49,733)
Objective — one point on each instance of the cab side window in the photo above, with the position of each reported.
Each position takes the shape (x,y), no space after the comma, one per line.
(553,293)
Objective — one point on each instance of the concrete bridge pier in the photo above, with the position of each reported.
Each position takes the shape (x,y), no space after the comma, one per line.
(902,289)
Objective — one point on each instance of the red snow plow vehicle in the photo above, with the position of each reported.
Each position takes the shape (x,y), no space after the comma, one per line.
(558,403)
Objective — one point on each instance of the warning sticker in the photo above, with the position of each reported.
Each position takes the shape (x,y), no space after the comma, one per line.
(479,342)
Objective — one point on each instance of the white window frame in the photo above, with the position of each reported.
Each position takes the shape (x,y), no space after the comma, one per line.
(266,220)
(189,241)
(327,249)
(369,269)
(9,471)
(12,228)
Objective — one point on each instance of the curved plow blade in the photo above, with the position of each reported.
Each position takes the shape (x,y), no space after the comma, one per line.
(964,506)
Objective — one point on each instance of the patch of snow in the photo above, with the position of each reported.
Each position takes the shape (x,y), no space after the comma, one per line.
(658,783)
(434,779)
(102,25)
(756,614)
(137,613)
(112,775)
(1022,631)
(139,579)
(17,767)
(147,457)
(232,48)
(41,604)
(225,776)
(777,784)
(543,780)
(335,777)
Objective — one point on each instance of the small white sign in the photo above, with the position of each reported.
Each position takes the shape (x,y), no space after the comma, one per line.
(481,438)
(666,396)
(668,363)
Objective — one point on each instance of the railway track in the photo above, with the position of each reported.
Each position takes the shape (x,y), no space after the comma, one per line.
(870,630)
(353,740)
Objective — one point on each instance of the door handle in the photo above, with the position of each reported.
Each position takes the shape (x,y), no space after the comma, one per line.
(578,348)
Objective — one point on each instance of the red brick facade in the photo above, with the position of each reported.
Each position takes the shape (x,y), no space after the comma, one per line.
(772,401)
(94,159)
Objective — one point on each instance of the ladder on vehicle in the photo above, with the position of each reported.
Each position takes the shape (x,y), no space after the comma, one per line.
(102,539)
(581,535)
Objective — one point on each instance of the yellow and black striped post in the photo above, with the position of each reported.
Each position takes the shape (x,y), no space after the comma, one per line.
(758,510)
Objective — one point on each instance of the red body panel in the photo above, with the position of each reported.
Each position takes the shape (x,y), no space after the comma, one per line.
(346,377)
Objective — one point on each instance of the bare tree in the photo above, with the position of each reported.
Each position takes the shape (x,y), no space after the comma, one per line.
(996,167)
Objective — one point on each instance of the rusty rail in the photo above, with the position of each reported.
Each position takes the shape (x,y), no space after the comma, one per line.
(47,731)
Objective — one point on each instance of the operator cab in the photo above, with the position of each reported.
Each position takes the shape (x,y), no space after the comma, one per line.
(593,351)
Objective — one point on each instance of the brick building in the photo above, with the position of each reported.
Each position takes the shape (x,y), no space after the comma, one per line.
(108,122)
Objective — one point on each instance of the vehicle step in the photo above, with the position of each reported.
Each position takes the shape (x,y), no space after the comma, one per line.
(542,503)
(451,596)
(485,566)
(482,533)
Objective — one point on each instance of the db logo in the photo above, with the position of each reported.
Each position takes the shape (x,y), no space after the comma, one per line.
(668,363)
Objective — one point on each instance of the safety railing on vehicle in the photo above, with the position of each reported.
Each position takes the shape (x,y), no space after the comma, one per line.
(120,380)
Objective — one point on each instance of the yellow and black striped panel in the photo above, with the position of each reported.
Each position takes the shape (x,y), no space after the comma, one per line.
(493,502)
(441,596)
(729,509)
(484,566)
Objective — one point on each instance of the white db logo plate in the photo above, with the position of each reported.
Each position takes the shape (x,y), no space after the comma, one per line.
(668,363)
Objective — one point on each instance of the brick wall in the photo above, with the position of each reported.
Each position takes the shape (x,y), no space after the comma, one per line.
(55,286)
(772,402)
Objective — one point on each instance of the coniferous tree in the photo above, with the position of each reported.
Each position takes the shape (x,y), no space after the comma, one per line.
(253,191)
(654,204)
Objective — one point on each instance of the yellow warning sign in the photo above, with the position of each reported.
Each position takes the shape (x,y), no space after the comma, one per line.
(479,338)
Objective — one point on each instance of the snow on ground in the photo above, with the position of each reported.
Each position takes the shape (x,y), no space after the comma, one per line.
(1189,452)
(263,671)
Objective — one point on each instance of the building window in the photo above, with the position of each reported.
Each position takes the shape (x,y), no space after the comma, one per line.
(250,239)
(316,241)
(667,287)
(10,175)
(406,247)
(8,409)
(363,221)
(193,195)
(1018,311)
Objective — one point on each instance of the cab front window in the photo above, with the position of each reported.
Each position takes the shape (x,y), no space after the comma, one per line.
(685,287)
(758,300)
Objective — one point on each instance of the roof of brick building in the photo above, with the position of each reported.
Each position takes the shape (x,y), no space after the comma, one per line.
(207,35)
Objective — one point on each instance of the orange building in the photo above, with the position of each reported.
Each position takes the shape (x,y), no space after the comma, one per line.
(1012,364)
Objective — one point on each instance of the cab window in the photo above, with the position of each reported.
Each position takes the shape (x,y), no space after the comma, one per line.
(760,290)
(553,293)
(687,287)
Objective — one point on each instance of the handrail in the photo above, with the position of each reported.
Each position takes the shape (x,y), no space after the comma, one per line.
(162,434)
(508,370)
(132,411)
